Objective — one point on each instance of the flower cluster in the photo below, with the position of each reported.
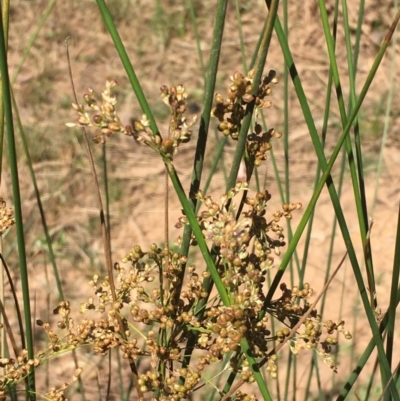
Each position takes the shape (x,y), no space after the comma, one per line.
(245,245)
(316,335)
(103,115)
(167,314)
(16,370)
(180,130)
(240,92)
(58,393)
(6,217)
(232,233)
(230,112)
(258,143)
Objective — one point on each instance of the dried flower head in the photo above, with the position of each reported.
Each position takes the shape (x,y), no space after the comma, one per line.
(230,112)
(102,114)
(6,217)
(180,130)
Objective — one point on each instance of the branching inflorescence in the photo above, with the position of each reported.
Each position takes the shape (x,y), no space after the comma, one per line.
(162,298)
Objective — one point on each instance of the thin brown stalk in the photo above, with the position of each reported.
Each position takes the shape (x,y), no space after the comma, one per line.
(109,378)
(370,278)
(388,383)
(104,230)
(18,310)
(7,326)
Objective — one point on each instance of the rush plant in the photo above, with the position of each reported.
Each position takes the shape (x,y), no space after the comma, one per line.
(207,315)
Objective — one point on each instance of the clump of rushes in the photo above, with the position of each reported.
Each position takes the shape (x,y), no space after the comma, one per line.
(163,300)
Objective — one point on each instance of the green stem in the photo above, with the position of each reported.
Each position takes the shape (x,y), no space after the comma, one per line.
(6,93)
